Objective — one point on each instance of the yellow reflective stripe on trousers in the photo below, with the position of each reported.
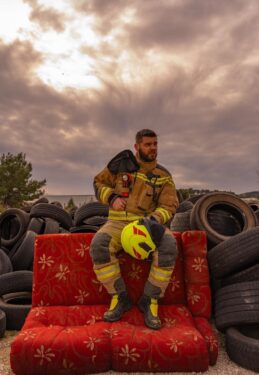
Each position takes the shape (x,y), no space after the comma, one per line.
(104,192)
(161,274)
(165,214)
(123,215)
(107,271)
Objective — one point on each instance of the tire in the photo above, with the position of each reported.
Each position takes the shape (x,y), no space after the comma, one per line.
(90,209)
(17,281)
(51,226)
(84,229)
(249,274)
(223,201)
(13,224)
(28,207)
(184,206)
(235,254)
(257,216)
(253,203)
(96,220)
(5,250)
(181,222)
(2,323)
(5,263)
(242,346)
(57,203)
(237,304)
(15,314)
(195,198)
(41,200)
(224,222)
(72,212)
(179,196)
(53,212)
(36,225)
(62,230)
(23,256)
(24,298)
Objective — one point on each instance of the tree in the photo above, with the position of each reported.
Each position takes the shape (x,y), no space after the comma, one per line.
(184,193)
(16,183)
(70,204)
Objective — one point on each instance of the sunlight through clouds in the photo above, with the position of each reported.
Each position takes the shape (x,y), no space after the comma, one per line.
(80,77)
(12,19)
(64,65)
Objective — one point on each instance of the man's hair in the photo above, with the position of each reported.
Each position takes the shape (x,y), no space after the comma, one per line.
(144,133)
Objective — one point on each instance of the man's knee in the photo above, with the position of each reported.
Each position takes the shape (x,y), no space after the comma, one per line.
(99,249)
(167,251)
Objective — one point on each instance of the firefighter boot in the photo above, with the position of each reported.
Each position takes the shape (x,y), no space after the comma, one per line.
(149,307)
(119,304)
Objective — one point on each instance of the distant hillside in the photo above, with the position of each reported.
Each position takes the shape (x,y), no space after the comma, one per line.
(250,194)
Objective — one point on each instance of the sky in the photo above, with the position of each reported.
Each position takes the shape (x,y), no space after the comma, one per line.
(79,78)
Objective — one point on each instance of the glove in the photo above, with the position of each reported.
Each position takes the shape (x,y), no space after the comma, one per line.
(155,229)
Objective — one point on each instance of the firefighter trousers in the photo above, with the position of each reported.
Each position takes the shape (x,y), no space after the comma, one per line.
(107,242)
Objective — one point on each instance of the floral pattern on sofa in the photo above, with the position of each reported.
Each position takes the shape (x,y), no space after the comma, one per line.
(64,332)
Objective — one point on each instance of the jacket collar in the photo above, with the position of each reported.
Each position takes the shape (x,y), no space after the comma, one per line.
(146,165)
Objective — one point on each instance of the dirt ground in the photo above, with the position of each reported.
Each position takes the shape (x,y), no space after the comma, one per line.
(223,366)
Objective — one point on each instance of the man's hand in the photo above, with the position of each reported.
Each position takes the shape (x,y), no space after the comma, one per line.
(119,204)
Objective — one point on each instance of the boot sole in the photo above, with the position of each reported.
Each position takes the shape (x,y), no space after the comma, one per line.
(150,326)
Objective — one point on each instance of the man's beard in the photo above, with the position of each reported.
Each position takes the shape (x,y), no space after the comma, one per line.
(145,157)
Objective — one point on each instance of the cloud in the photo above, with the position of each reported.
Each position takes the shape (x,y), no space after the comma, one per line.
(180,24)
(188,71)
(106,13)
(47,18)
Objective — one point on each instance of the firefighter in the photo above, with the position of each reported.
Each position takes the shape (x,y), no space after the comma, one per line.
(138,190)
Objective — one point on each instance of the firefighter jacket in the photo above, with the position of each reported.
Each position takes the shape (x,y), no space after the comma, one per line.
(149,190)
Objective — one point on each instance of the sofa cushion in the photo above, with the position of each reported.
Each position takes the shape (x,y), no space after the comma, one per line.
(57,338)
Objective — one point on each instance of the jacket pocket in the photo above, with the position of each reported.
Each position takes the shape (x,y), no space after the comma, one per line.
(146,198)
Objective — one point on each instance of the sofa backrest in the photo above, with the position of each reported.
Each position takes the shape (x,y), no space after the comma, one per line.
(63,273)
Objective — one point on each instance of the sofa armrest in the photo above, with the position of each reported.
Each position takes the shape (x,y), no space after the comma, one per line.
(196,273)
(206,330)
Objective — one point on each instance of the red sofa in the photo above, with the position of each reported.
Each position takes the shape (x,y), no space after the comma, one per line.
(64,332)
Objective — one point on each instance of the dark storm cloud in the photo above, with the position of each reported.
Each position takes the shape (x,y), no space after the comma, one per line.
(47,18)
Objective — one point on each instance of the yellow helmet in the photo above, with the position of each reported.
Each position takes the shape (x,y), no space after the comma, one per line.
(136,240)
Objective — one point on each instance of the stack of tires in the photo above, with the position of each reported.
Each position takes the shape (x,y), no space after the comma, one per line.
(18,229)
(232,228)
(90,217)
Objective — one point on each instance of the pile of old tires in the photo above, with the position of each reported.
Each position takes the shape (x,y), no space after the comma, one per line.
(18,229)
(232,227)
